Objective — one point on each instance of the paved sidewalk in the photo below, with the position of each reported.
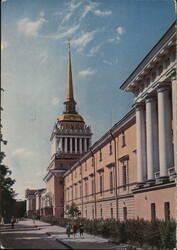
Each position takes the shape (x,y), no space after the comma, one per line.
(88,242)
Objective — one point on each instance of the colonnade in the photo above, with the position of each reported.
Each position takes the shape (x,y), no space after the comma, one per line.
(74,145)
(154,135)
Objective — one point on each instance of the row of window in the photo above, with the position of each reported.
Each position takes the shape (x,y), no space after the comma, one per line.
(125,212)
(91,183)
(166,211)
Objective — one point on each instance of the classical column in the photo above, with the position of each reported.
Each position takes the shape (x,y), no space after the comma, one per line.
(151,137)
(75,139)
(174,107)
(71,145)
(80,145)
(141,143)
(65,144)
(85,144)
(165,131)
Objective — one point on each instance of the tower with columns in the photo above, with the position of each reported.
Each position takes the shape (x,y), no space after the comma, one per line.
(70,139)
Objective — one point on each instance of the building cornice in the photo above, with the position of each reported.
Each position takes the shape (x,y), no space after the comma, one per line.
(150,56)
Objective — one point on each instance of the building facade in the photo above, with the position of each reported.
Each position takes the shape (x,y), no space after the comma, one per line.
(130,172)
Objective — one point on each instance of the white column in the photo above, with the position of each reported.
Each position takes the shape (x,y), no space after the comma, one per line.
(85,144)
(141,147)
(75,145)
(65,144)
(165,132)
(71,148)
(151,137)
(80,145)
(174,107)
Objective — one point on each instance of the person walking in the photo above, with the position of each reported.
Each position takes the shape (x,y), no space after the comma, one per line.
(68,229)
(34,217)
(81,229)
(12,222)
(74,229)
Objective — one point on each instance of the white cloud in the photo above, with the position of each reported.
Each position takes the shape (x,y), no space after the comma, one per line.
(120,30)
(3,1)
(30,28)
(64,34)
(87,72)
(72,6)
(90,7)
(103,13)
(107,62)
(3,45)
(55,101)
(83,40)
(94,50)
(22,152)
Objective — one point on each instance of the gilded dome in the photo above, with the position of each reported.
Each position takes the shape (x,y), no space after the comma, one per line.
(71,117)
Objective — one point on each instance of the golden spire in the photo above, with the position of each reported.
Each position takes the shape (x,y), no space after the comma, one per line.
(70,95)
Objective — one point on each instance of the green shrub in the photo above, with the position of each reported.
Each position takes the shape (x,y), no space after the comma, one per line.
(156,235)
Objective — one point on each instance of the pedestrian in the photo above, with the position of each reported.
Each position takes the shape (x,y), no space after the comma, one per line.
(81,229)
(33,217)
(68,229)
(2,221)
(12,221)
(74,229)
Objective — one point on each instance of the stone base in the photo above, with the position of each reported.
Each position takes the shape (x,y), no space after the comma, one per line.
(162,180)
(149,183)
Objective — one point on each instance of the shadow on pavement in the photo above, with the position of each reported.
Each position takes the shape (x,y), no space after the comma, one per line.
(27,241)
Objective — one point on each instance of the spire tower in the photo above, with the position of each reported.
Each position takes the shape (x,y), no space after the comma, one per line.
(70,104)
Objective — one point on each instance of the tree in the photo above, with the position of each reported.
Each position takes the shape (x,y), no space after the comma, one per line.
(7,193)
(72,211)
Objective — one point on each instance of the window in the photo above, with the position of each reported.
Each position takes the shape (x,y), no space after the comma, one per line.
(153,212)
(125,213)
(88,143)
(80,189)
(112,213)
(92,212)
(86,188)
(110,148)
(68,145)
(167,210)
(101,183)
(111,181)
(86,212)
(123,139)
(124,177)
(100,155)
(73,144)
(92,161)
(92,186)
(78,146)
(75,173)
(101,212)
(82,144)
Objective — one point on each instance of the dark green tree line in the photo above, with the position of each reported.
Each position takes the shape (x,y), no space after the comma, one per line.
(7,193)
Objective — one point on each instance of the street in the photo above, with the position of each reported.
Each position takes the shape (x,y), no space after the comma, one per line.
(25,235)
(41,235)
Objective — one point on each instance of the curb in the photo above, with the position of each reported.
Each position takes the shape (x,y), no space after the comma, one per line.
(60,241)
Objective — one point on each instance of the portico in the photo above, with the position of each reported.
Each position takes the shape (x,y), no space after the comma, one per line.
(151,83)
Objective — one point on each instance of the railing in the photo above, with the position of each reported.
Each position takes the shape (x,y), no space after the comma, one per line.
(157,175)
(171,171)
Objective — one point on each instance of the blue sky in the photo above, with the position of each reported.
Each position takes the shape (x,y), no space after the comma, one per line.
(109,39)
